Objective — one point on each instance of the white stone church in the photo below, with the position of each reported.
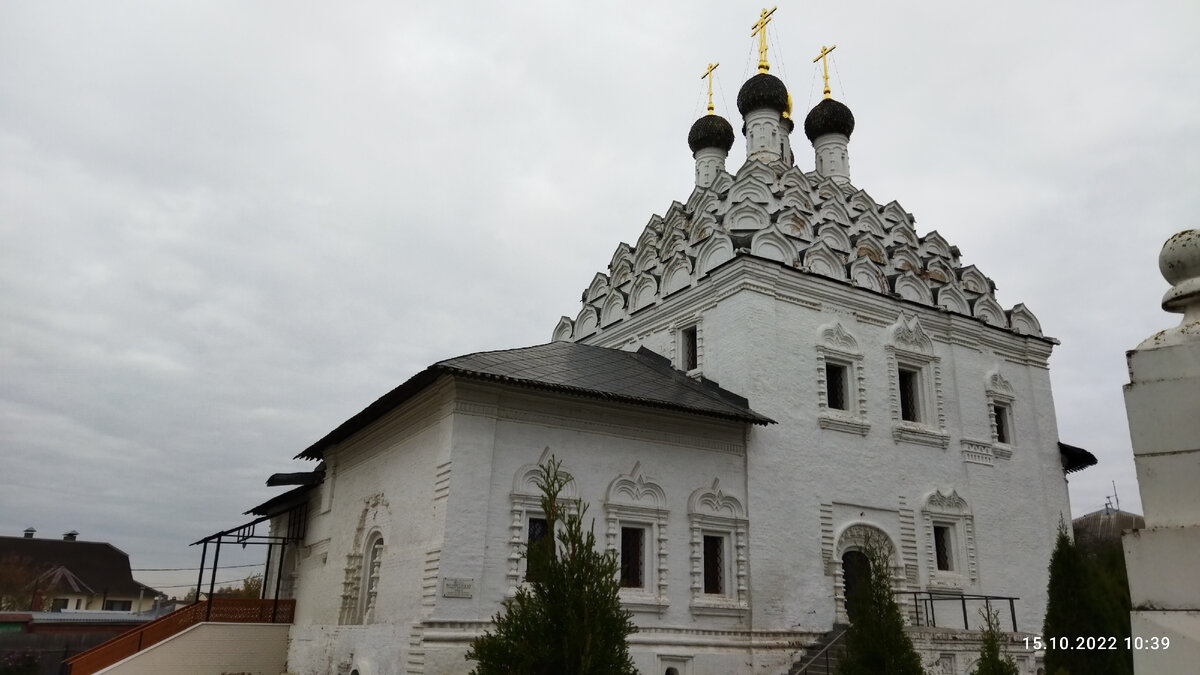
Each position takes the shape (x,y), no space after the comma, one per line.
(777,369)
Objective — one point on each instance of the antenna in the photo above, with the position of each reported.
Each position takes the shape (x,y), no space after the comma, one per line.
(1114,484)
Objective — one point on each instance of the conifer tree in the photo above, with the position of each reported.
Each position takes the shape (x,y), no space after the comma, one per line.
(568,619)
(876,643)
(991,662)
(1076,607)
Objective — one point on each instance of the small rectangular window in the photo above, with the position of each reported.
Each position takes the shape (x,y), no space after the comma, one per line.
(118,605)
(835,386)
(910,401)
(688,360)
(714,564)
(633,557)
(942,547)
(1000,417)
(536,558)
(58,604)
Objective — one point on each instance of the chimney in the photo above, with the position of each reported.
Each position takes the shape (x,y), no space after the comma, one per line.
(70,536)
(29,532)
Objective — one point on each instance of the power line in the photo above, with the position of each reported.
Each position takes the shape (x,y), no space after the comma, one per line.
(218,584)
(187,569)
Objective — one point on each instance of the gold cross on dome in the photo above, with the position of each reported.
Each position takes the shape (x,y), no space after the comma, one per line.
(760,29)
(825,63)
(708,74)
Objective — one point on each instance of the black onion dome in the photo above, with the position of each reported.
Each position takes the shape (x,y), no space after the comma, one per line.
(828,117)
(711,131)
(762,91)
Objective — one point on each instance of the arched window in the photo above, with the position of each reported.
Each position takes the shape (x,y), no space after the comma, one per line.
(372,559)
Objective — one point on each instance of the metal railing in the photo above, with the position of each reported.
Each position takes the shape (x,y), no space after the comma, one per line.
(925,604)
(223,610)
(824,656)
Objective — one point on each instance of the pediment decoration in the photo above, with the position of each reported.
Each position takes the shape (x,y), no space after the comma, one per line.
(997,384)
(835,235)
(903,258)
(636,489)
(1023,321)
(951,297)
(750,190)
(864,273)
(772,244)
(722,183)
(867,223)
(648,240)
(794,223)
(933,244)
(938,270)
(836,337)
(942,502)
(717,250)
(598,288)
(971,279)
(587,321)
(753,171)
(623,252)
(622,273)
(747,216)
(833,212)
(563,331)
(655,223)
(794,178)
(644,290)
(702,228)
(820,259)
(646,258)
(829,191)
(614,308)
(702,200)
(908,334)
(911,287)
(867,245)
(895,213)
(526,478)
(795,199)
(714,501)
(673,242)
(988,310)
(676,216)
(861,201)
(678,273)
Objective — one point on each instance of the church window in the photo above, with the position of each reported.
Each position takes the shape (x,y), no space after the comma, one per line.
(835,386)
(910,394)
(372,562)
(943,547)
(633,557)
(537,531)
(1000,421)
(714,564)
(688,349)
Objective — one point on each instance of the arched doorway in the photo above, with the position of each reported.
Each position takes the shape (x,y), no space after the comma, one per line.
(856,574)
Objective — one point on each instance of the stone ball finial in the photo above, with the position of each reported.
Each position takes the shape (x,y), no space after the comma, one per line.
(1179,262)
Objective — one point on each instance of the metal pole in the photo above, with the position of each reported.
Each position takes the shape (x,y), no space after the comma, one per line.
(966,625)
(1012,611)
(932,612)
(262,592)
(916,610)
(212,581)
(200,579)
(278,579)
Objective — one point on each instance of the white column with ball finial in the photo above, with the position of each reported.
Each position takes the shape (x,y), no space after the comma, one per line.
(1162,401)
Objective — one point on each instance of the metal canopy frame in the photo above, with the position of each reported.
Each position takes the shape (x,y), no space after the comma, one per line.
(246,535)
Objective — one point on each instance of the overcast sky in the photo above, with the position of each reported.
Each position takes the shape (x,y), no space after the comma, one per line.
(225,227)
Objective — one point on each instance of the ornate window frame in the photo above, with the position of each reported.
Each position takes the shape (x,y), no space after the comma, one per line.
(1000,393)
(525,503)
(634,499)
(840,348)
(372,560)
(950,510)
(912,349)
(713,512)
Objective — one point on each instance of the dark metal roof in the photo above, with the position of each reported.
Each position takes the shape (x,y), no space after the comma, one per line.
(1075,459)
(762,91)
(1107,524)
(641,378)
(828,117)
(282,502)
(60,565)
(710,131)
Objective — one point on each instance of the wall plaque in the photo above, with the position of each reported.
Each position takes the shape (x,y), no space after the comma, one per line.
(455,587)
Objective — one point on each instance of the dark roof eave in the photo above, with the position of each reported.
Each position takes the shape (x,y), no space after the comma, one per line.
(1075,458)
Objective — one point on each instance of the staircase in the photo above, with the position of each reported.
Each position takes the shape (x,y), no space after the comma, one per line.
(822,658)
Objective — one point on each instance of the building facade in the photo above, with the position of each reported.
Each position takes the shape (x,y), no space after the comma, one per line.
(779,370)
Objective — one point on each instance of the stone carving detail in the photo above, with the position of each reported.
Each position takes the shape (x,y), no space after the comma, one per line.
(525,498)
(950,510)
(996,383)
(712,511)
(833,335)
(908,335)
(635,498)
(801,217)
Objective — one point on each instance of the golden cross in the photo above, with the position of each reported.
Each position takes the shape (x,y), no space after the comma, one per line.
(708,74)
(760,29)
(825,63)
